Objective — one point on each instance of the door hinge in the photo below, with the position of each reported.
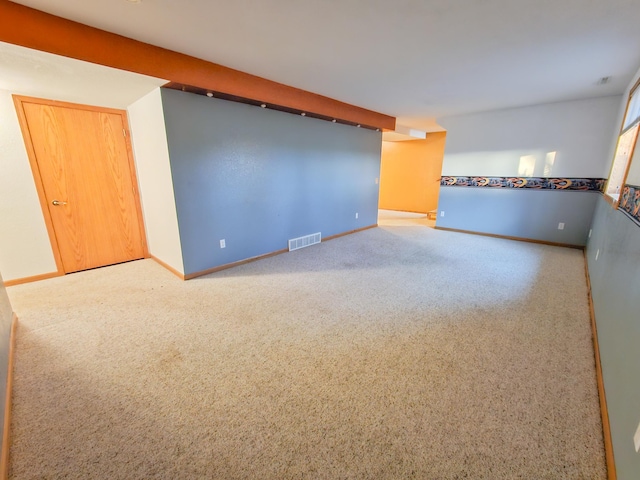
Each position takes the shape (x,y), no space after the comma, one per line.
(124,133)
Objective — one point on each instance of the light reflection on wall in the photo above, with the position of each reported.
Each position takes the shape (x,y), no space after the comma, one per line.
(549,161)
(509,163)
(527,166)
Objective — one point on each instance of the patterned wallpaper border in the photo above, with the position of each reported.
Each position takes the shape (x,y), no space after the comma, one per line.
(538,183)
(630,202)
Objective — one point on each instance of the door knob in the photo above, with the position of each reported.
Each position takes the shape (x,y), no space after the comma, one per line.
(58,203)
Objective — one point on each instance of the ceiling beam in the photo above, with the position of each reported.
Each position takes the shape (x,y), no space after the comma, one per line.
(32,28)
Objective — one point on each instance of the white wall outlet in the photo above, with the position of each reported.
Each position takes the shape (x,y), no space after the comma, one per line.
(561,226)
(597,254)
(590,232)
(223,243)
(636,439)
(442,213)
(356,215)
(377,180)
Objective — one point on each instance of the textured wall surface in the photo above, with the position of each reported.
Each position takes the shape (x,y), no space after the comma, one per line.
(531,214)
(613,257)
(615,281)
(555,141)
(257,177)
(6,314)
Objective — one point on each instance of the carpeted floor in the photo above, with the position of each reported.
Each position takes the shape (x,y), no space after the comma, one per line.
(391,218)
(397,352)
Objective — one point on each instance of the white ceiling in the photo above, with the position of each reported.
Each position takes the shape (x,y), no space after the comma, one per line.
(414,59)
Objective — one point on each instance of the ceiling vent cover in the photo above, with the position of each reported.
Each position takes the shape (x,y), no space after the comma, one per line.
(307,240)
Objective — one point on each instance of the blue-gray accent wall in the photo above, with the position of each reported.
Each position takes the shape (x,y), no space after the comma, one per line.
(6,316)
(529,214)
(258,177)
(615,286)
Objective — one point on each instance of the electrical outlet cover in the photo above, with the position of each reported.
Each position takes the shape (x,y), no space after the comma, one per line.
(636,439)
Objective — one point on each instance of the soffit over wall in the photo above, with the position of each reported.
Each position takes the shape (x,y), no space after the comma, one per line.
(30,72)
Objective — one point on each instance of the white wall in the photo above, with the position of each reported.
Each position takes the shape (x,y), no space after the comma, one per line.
(151,153)
(25,249)
(504,143)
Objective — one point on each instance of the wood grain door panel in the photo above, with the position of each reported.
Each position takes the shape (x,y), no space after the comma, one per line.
(83,160)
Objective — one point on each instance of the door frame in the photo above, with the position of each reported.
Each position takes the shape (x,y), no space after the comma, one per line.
(19,101)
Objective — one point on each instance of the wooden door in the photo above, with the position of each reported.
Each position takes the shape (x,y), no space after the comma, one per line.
(81,159)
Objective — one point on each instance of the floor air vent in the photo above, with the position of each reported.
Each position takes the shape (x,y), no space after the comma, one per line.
(301,242)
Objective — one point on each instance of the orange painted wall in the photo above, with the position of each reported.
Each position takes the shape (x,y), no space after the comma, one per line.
(410,174)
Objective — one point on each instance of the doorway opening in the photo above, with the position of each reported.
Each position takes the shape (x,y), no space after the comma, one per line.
(410,173)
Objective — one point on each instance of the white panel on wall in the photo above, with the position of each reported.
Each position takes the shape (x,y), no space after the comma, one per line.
(25,249)
(634,169)
(565,139)
(151,154)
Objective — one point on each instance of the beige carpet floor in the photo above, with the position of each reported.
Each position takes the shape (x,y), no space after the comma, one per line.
(397,352)
(405,219)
